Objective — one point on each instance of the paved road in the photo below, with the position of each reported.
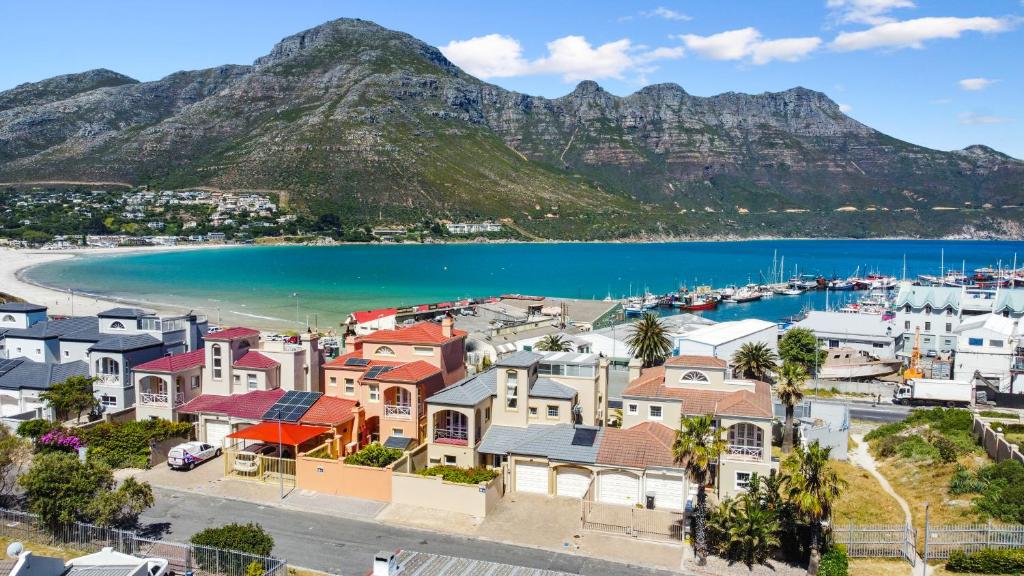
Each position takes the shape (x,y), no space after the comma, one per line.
(346,546)
(865,410)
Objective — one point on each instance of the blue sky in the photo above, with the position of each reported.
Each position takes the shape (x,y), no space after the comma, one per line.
(940,73)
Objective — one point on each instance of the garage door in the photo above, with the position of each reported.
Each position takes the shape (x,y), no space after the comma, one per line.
(618,488)
(667,489)
(572,482)
(216,431)
(531,477)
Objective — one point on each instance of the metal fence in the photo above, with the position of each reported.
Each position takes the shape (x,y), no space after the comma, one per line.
(941,540)
(268,469)
(878,541)
(629,520)
(200,560)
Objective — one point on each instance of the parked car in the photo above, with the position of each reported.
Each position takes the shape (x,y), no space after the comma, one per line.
(186,456)
(247,460)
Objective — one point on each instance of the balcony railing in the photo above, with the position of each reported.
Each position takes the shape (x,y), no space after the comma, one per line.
(458,436)
(741,452)
(108,379)
(398,411)
(158,398)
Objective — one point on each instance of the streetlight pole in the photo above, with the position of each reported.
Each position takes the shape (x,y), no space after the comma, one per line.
(296,296)
(280,454)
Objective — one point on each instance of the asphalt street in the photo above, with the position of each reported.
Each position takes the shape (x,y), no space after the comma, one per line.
(346,546)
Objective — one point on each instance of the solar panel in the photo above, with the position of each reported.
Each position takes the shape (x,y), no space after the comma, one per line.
(584,437)
(8,365)
(292,406)
(377,371)
(356,362)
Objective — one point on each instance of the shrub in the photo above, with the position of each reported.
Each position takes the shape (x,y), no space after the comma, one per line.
(321,452)
(886,430)
(964,482)
(250,538)
(834,562)
(886,447)
(1003,493)
(35,428)
(948,449)
(59,440)
(917,448)
(374,455)
(126,444)
(987,561)
(461,475)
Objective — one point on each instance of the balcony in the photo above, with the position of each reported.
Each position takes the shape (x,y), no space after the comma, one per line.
(398,411)
(162,399)
(743,452)
(454,436)
(108,379)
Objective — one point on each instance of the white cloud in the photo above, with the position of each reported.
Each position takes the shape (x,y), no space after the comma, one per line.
(975,84)
(873,12)
(747,42)
(667,14)
(845,108)
(914,33)
(571,57)
(975,119)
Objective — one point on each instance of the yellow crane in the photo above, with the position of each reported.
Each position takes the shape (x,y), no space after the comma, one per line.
(914,370)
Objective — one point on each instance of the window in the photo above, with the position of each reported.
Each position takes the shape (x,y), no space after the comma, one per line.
(949,311)
(927,326)
(397,432)
(877,345)
(215,352)
(927,308)
(237,379)
(693,376)
(742,480)
(449,460)
(115,325)
(975,342)
(332,382)
(552,411)
(195,382)
(949,326)
(108,401)
(632,409)
(833,343)
(374,393)
(8,318)
(995,343)
(350,386)
(533,410)
(67,353)
(654,412)
(487,414)
(906,325)
(384,351)
(250,381)
(511,389)
(423,350)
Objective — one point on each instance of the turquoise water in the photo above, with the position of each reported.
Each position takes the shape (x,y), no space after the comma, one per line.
(258,282)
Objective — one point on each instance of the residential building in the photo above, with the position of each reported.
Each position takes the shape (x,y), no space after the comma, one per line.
(722,340)
(937,311)
(686,386)
(23,380)
(440,344)
(985,349)
(875,334)
(473,228)
(106,562)
(20,315)
(369,321)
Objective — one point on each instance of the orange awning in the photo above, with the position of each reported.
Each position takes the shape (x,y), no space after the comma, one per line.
(284,433)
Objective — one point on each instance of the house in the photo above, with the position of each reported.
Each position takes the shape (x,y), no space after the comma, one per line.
(937,311)
(216,416)
(724,339)
(369,321)
(392,372)
(166,383)
(871,333)
(20,315)
(985,349)
(686,386)
(106,562)
(22,380)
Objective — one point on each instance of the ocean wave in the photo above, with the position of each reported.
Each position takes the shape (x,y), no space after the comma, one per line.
(257,316)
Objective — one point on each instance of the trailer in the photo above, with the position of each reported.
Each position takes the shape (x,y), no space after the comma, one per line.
(931,392)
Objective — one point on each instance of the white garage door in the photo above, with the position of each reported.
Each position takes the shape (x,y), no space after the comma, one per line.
(532,477)
(216,431)
(667,489)
(572,482)
(618,488)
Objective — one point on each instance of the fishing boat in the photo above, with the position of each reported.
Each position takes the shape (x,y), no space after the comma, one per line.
(743,295)
(842,285)
(847,363)
(697,301)
(792,291)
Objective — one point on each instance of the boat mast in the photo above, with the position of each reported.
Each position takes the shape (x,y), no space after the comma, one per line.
(904,266)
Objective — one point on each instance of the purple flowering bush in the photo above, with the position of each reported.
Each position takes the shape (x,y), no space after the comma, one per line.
(59,440)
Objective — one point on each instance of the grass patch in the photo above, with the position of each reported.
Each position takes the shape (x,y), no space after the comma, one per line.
(998,414)
(928,483)
(864,501)
(879,567)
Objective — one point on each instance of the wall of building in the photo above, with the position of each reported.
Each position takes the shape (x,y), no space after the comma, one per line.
(671,412)
(728,468)
(433,492)
(336,477)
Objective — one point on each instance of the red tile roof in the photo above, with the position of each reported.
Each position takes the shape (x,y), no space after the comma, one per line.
(232,333)
(329,410)
(176,363)
(644,445)
(696,361)
(371,315)
(410,372)
(419,333)
(696,400)
(339,362)
(249,406)
(255,360)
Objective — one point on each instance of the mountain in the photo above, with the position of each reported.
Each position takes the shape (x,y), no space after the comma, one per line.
(372,125)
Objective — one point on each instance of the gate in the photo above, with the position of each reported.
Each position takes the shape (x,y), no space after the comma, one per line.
(267,469)
(878,541)
(650,524)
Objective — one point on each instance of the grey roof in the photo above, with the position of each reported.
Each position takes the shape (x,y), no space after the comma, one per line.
(563,442)
(570,357)
(502,439)
(125,343)
(21,307)
(123,313)
(521,359)
(412,563)
(546,388)
(843,323)
(468,391)
(80,327)
(40,375)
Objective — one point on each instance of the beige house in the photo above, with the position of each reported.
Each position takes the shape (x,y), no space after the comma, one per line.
(697,385)
(164,384)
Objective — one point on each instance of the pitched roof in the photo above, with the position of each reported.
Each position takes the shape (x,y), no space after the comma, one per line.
(249,406)
(547,388)
(469,391)
(748,403)
(21,307)
(87,326)
(125,343)
(123,313)
(755,403)
(696,361)
(502,439)
(718,334)
(371,315)
(645,445)
(232,333)
(419,333)
(520,359)
(255,360)
(410,372)
(22,373)
(329,410)
(175,363)
(339,362)
(562,442)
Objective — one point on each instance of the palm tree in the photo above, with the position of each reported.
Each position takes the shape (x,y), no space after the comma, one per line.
(752,535)
(790,390)
(813,486)
(649,340)
(697,447)
(755,360)
(553,343)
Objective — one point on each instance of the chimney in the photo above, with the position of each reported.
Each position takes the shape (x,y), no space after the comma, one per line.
(446,326)
(385,564)
(350,343)
(635,364)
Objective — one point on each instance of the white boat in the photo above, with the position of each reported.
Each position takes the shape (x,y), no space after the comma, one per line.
(847,363)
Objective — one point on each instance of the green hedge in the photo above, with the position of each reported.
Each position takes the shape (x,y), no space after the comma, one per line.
(461,475)
(250,538)
(834,562)
(375,456)
(126,444)
(988,561)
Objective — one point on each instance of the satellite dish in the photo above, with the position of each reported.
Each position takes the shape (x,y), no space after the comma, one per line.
(14,549)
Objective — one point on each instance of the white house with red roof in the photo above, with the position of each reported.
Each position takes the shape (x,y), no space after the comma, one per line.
(369,321)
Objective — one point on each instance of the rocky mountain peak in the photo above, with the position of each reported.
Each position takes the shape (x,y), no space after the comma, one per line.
(61,87)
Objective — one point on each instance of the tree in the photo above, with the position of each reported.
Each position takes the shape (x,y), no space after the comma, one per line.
(649,340)
(755,360)
(751,533)
(250,538)
(553,343)
(800,345)
(697,447)
(72,396)
(14,454)
(813,487)
(790,390)
(61,489)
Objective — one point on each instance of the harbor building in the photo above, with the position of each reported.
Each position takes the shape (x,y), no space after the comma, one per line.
(937,312)
(985,350)
(871,333)
(725,339)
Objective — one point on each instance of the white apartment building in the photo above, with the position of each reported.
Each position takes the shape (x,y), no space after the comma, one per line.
(937,311)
